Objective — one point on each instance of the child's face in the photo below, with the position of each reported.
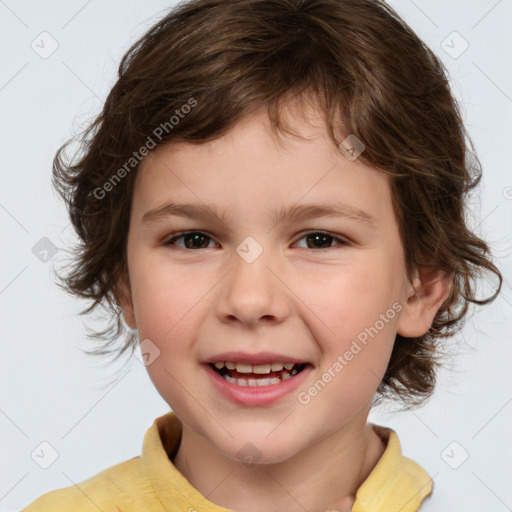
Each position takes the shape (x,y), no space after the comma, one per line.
(308,305)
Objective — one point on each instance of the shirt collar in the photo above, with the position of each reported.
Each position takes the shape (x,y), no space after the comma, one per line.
(396,483)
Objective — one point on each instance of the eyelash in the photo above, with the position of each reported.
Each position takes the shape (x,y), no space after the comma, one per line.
(175,236)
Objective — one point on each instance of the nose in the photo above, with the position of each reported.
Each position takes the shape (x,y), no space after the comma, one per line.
(253,293)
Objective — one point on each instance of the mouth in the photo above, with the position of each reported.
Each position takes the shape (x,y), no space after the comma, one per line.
(256,385)
(261,375)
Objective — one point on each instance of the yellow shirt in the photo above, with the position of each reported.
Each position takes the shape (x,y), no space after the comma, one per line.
(151,482)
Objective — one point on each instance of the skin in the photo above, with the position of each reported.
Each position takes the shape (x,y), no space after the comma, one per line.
(194,303)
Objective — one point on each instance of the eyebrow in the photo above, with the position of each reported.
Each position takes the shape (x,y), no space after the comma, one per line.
(296,212)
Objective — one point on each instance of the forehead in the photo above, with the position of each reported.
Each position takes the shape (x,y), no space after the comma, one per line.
(249,170)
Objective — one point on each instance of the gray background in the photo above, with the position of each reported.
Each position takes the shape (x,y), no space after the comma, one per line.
(94,415)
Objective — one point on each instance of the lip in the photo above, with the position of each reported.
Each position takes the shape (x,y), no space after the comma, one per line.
(252,359)
(258,396)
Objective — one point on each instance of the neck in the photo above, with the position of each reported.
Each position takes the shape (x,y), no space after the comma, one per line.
(324,476)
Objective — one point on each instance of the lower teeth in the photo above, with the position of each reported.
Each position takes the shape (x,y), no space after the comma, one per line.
(259,382)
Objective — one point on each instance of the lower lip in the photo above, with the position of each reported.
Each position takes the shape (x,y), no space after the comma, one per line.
(258,395)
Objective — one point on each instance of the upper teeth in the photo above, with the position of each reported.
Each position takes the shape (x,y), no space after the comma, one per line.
(257,368)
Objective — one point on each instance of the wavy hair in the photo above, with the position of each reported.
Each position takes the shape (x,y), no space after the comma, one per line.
(368,72)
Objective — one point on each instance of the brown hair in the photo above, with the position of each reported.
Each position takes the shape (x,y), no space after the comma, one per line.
(223,59)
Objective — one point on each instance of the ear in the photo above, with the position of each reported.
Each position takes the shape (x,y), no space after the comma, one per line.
(123,297)
(431,289)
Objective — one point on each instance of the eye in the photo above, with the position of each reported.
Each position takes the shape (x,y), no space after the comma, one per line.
(321,240)
(192,240)
(200,240)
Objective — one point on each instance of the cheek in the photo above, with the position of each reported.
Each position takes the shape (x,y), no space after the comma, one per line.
(167,309)
(353,316)
(350,299)
(164,298)
(170,305)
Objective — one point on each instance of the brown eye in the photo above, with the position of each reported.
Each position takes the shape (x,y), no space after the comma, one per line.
(191,239)
(321,240)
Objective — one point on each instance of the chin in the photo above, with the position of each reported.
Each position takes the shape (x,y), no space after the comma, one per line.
(251,451)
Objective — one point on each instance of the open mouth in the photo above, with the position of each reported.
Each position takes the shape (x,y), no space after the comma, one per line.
(262,375)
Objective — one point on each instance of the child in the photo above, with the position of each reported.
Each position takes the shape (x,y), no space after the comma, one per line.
(273,201)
